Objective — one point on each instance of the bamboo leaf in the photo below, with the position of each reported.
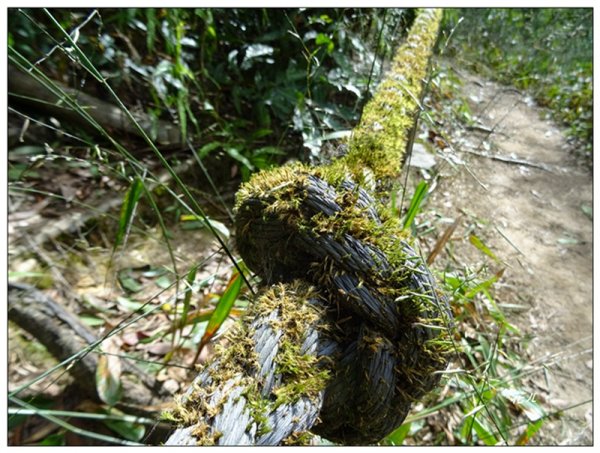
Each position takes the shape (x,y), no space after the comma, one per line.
(484,432)
(399,434)
(128,282)
(128,209)
(221,311)
(193,222)
(482,247)
(128,429)
(530,431)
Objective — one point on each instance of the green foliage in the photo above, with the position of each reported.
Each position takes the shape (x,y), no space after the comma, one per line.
(547,51)
(128,209)
(126,428)
(252,80)
(484,384)
(222,310)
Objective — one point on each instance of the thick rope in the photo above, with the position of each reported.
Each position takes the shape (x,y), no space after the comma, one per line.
(243,397)
(353,330)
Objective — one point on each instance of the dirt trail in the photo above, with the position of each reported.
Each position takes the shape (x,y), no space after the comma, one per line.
(536,222)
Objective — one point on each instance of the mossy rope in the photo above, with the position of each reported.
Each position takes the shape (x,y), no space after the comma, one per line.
(353,329)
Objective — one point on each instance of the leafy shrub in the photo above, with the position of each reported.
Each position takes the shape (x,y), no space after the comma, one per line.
(248,82)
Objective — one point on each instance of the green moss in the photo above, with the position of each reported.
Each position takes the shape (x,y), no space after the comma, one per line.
(299,439)
(379,141)
(302,375)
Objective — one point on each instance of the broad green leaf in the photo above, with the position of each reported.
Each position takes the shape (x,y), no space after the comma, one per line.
(399,434)
(164,281)
(484,432)
(53,440)
(128,304)
(222,309)
(193,222)
(206,149)
(588,211)
(91,321)
(128,282)
(234,153)
(127,429)
(481,287)
(473,426)
(530,431)
(260,133)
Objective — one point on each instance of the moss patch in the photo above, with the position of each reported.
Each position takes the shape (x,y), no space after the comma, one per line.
(379,141)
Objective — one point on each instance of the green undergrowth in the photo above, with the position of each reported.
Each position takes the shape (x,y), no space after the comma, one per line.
(486,396)
(251,84)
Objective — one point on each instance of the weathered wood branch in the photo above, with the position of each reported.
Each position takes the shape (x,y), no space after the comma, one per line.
(511,160)
(24,88)
(64,336)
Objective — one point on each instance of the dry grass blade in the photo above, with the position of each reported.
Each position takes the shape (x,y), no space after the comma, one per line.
(441,242)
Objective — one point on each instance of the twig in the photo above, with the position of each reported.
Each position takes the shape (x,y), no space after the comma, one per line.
(510,160)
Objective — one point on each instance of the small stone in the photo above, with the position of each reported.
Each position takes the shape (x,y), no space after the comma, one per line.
(421,158)
(171,386)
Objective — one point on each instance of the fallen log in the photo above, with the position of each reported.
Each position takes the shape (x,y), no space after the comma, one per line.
(66,338)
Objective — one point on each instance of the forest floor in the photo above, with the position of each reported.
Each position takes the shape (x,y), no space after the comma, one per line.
(512,181)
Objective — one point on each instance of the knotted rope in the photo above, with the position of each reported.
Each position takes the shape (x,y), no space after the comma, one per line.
(353,330)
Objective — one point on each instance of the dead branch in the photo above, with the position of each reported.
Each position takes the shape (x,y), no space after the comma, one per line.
(26,89)
(64,336)
(511,160)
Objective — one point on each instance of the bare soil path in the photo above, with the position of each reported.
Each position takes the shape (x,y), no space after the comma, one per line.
(537,219)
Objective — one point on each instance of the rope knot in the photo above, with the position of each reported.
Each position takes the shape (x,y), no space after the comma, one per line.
(384,313)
